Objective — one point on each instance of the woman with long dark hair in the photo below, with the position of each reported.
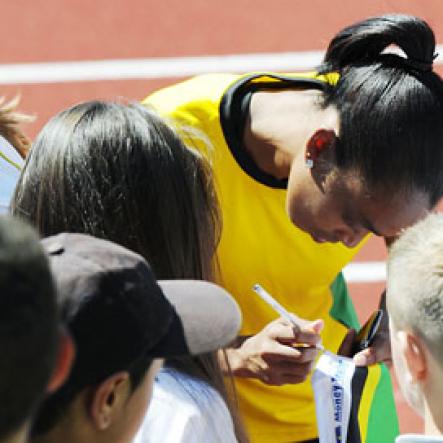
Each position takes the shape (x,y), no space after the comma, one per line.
(118,172)
(307,165)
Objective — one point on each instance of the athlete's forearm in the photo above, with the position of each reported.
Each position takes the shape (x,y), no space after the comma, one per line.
(230,359)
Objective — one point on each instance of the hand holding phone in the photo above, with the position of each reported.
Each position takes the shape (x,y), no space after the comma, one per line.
(366,334)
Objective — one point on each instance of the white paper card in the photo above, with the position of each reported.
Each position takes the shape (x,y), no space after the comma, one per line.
(331,382)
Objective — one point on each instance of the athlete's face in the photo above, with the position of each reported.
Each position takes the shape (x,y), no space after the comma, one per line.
(339,208)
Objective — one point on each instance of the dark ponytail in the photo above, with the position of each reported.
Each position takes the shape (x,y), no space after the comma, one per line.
(390,104)
(365,41)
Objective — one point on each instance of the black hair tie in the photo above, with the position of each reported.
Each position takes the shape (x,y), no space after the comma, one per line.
(420,65)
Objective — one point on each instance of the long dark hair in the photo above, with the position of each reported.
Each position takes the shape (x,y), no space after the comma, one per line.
(390,104)
(119,172)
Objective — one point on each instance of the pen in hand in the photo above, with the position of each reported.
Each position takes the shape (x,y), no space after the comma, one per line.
(271,301)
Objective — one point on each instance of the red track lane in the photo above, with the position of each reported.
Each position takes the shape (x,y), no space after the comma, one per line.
(54,30)
(43,30)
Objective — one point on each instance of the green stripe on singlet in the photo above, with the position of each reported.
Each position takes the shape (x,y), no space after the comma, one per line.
(383,421)
(342,308)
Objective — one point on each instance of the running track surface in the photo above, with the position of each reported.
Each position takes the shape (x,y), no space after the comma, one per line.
(50,31)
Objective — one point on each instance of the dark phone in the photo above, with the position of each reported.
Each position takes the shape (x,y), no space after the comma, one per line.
(367,333)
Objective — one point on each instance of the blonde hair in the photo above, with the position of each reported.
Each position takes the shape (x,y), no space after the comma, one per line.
(10,121)
(415,282)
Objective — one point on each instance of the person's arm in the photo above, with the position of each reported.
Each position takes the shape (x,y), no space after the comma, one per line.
(380,351)
(185,410)
(10,121)
(271,356)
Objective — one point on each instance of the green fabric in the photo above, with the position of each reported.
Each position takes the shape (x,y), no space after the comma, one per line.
(383,420)
(342,308)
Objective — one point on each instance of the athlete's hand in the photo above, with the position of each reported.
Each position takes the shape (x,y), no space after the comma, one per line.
(272,356)
(378,352)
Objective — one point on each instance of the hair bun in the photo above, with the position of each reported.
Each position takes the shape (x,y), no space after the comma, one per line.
(366,41)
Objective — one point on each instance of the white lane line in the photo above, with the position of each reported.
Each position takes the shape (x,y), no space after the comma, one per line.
(170,67)
(126,69)
(365,272)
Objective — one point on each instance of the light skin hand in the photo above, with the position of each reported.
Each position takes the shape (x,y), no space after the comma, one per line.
(270,355)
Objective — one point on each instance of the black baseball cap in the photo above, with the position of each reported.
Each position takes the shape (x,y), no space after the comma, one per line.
(117,302)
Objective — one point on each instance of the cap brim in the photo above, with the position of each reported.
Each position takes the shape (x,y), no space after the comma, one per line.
(207,318)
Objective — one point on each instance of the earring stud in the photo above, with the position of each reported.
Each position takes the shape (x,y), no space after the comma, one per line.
(309,161)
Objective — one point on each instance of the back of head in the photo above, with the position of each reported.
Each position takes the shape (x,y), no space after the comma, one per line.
(28,324)
(119,172)
(415,283)
(390,104)
(122,319)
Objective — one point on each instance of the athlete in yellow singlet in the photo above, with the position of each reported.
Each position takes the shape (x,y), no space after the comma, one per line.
(306,166)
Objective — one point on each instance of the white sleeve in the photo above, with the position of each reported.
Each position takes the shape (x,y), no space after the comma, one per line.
(181,428)
(10,164)
(196,414)
(172,422)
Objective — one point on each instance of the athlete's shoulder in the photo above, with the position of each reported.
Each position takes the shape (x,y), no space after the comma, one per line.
(277,77)
(208,87)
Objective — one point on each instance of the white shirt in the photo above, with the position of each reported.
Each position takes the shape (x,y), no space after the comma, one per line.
(184,409)
(9,173)
(418,438)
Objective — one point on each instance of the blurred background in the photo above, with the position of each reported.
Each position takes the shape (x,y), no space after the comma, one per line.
(55,53)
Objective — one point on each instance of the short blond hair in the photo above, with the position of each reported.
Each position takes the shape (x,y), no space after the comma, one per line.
(10,121)
(415,282)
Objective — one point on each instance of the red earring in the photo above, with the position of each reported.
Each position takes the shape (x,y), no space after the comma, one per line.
(318,142)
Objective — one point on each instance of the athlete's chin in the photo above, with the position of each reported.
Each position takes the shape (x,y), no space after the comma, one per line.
(316,234)
(298,223)
(302,226)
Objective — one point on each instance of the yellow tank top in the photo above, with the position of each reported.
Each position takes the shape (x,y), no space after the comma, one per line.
(259,244)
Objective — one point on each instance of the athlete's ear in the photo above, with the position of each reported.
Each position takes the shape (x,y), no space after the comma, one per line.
(321,142)
(64,360)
